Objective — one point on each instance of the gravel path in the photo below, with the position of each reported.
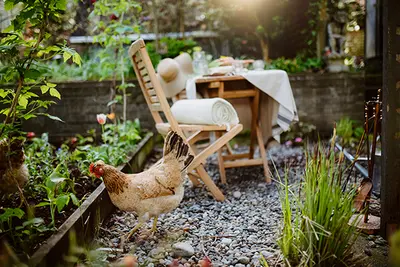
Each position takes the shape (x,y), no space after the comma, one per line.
(230,233)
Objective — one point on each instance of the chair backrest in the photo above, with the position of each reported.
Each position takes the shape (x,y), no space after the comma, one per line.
(150,85)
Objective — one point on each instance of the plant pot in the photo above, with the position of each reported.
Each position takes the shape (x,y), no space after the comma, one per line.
(337,65)
(86,220)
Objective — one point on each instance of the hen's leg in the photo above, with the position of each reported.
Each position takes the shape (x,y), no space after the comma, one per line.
(154,228)
(134,230)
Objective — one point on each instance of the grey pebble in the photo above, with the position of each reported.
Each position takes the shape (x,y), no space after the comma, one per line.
(183,249)
(244,260)
(237,194)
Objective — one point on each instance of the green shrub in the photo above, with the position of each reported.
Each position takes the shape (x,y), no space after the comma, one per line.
(349,131)
(295,65)
(315,225)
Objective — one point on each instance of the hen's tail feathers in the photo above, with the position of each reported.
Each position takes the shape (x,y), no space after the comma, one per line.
(175,144)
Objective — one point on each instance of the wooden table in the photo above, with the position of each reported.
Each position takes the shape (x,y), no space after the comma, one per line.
(235,87)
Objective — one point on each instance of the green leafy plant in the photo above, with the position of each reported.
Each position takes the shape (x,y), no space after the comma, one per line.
(113,35)
(298,64)
(349,131)
(23,46)
(315,223)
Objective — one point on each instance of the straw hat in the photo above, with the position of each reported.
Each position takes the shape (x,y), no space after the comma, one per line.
(173,73)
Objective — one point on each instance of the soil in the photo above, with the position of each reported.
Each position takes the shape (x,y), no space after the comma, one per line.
(84,186)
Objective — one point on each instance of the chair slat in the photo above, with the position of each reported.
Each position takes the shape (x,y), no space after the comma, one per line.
(141,65)
(156,107)
(149,85)
(154,99)
(152,92)
(146,78)
(138,58)
(143,72)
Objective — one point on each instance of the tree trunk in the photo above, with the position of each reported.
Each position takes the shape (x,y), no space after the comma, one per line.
(182,18)
(264,48)
(155,18)
(321,28)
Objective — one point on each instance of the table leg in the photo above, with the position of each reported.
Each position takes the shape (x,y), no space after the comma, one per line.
(254,122)
(263,154)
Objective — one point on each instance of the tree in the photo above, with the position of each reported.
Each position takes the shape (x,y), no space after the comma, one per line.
(116,20)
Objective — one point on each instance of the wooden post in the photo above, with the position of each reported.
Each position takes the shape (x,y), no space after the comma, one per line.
(390,189)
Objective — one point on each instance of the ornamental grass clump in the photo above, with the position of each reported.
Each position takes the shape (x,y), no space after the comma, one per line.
(315,219)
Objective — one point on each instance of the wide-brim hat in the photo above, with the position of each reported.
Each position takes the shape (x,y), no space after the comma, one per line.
(173,73)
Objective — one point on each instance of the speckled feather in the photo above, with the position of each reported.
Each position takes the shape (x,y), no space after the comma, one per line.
(155,191)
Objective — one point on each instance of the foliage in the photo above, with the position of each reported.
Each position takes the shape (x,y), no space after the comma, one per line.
(23,45)
(112,34)
(349,131)
(298,64)
(300,130)
(57,177)
(315,223)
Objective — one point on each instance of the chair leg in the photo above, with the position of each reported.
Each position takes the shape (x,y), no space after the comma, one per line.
(263,155)
(195,181)
(222,173)
(210,184)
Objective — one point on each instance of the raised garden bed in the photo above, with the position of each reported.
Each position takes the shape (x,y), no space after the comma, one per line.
(85,221)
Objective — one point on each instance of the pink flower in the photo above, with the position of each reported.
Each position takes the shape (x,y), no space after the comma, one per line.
(101,118)
(298,140)
(30,135)
(288,143)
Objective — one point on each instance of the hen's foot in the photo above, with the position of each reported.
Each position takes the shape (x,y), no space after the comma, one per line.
(154,228)
(134,230)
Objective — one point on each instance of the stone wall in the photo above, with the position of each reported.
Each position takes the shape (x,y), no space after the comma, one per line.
(321,99)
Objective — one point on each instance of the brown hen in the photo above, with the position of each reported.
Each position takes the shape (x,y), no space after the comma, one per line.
(153,192)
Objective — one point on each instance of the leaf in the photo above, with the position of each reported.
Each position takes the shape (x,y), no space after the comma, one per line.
(8,5)
(4,93)
(32,74)
(44,89)
(52,85)
(42,204)
(61,201)
(9,212)
(29,116)
(54,118)
(75,200)
(77,59)
(57,180)
(23,101)
(67,55)
(55,93)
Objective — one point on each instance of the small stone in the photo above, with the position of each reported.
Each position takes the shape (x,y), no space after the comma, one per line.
(380,241)
(244,260)
(368,251)
(370,237)
(385,253)
(371,244)
(226,241)
(267,254)
(237,194)
(183,249)
(240,265)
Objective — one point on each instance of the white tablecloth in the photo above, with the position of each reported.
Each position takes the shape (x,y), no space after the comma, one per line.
(274,83)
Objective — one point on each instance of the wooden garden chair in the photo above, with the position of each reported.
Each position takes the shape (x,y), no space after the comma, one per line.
(158,105)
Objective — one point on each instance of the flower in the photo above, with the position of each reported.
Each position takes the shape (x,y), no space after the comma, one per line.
(30,135)
(111,116)
(101,118)
(298,140)
(113,17)
(288,143)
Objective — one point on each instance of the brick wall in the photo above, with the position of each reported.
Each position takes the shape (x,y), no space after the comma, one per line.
(323,99)
(320,98)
